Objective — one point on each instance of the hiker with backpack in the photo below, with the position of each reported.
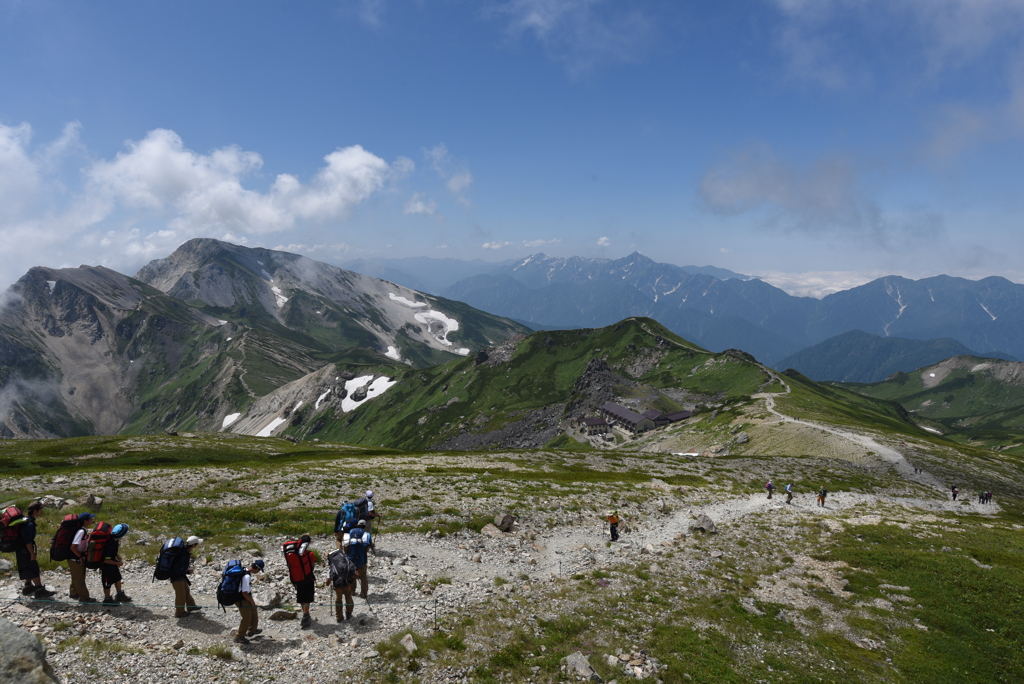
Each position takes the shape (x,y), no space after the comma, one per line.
(76,563)
(357,541)
(110,570)
(789,493)
(344,521)
(341,574)
(822,493)
(235,589)
(25,548)
(175,564)
(301,562)
(770,487)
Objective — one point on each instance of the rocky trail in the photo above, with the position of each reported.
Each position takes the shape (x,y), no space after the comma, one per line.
(415,579)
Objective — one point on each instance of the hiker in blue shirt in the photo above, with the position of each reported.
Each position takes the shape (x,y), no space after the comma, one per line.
(357,541)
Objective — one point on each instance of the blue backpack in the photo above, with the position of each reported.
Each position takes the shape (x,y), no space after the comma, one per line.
(229,591)
(347,512)
(167,561)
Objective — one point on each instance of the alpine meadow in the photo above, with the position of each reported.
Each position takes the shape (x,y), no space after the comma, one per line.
(518,341)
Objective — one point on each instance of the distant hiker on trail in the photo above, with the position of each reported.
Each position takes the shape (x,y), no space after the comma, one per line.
(357,541)
(981,497)
(175,564)
(822,493)
(236,582)
(988,497)
(770,487)
(613,524)
(76,563)
(25,554)
(341,574)
(789,493)
(110,570)
(955,492)
(301,562)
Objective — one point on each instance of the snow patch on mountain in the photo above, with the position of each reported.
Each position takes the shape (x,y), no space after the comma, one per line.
(281,299)
(407,302)
(273,425)
(447,325)
(229,419)
(374,389)
(392,353)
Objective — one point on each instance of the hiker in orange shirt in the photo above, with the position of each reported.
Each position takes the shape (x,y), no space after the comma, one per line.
(613,523)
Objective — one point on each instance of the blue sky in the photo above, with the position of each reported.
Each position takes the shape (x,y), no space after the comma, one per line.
(816,142)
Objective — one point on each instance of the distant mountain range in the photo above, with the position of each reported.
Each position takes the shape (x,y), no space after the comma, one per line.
(749,314)
(437,275)
(857,356)
(198,336)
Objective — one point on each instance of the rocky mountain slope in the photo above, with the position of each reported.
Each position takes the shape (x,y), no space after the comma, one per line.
(92,351)
(526,392)
(858,356)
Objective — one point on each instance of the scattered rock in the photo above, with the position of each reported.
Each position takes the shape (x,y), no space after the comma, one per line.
(408,644)
(129,483)
(22,657)
(504,522)
(284,615)
(6,565)
(94,502)
(704,524)
(490,530)
(578,667)
(178,645)
(51,501)
(742,438)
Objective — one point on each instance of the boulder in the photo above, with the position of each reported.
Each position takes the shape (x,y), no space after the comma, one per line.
(22,657)
(284,615)
(576,666)
(704,524)
(490,530)
(51,501)
(359,394)
(504,522)
(94,502)
(6,565)
(742,438)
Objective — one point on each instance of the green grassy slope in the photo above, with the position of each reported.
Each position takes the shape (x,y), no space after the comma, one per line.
(430,405)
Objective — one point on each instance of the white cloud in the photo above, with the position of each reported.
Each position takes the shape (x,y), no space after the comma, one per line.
(497,244)
(205,192)
(456,176)
(540,243)
(420,204)
(145,200)
(822,197)
(579,34)
(818,284)
(603,242)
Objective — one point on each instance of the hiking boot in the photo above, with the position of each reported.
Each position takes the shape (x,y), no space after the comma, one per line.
(44,593)
(110,601)
(241,640)
(192,608)
(340,619)
(88,599)
(122,597)
(72,595)
(182,615)
(29,589)
(254,632)
(306,622)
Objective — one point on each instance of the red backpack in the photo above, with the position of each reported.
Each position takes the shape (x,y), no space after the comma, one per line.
(60,548)
(98,539)
(10,539)
(300,565)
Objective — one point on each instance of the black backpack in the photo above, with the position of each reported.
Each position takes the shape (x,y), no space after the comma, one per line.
(168,561)
(362,505)
(343,572)
(229,591)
